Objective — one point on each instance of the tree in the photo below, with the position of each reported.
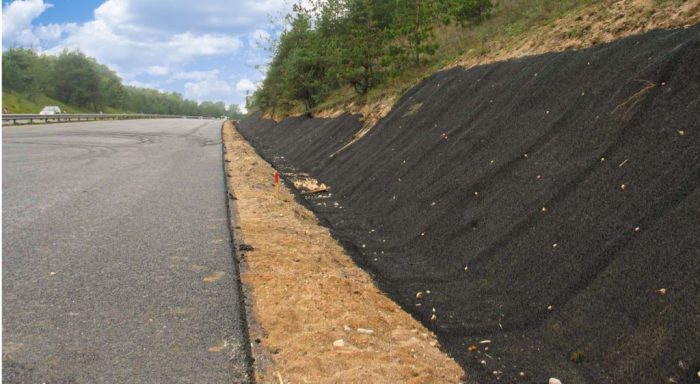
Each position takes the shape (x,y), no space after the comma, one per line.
(363,47)
(465,11)
(414,24)
(304,69)
(76,80)
(234,112)
(16,63)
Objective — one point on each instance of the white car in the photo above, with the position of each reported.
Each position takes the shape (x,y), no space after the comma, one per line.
(50,110)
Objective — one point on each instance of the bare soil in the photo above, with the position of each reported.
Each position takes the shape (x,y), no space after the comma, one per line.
(319,318)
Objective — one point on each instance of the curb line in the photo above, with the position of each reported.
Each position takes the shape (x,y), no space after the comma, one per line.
(235,241)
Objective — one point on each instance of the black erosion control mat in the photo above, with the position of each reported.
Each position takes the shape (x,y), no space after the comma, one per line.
(541,215)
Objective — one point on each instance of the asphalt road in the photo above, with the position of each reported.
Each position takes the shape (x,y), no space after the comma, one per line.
(116,258)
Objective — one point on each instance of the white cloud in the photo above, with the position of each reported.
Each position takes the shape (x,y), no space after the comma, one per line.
(51,32)
(17,19)
(197,75)
(245,85)
(260,38)
(150,54)
(209,89)
(157,70)
(176,16)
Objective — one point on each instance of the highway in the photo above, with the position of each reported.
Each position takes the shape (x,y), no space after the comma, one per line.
(116,257)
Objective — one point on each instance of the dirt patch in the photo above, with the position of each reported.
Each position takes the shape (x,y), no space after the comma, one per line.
(321,318)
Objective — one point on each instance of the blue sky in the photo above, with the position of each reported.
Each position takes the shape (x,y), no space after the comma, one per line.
(205,49)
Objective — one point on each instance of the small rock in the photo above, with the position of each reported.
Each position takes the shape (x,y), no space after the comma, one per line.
(544,209)
(555,245)
(549,307)
(681,132)
(419,295)
(623,186)
(365,331)
(433,317)
(340,343)
(466,268)
(662,291)
(636,229)
(52,273)
(554,380)
(245,247)
(522,374)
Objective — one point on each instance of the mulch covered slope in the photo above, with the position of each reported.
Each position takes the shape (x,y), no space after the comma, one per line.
(541,215)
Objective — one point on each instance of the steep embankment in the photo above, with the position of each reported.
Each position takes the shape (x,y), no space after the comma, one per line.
(549,204)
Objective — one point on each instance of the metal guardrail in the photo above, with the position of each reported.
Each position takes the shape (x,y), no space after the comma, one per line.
(65,117)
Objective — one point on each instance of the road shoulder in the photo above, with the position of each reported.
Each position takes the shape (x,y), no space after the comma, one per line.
(317,317)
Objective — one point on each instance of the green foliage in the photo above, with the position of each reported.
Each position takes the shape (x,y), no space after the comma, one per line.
(357,44)
(474,11)
(15,102)
(234,112)
(363,47)
(413,28)
(78,83)
(305,65)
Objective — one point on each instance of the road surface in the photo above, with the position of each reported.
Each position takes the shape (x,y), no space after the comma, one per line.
(116,255)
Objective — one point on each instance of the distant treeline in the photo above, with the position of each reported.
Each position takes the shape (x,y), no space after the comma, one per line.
(359,43)
(80,81)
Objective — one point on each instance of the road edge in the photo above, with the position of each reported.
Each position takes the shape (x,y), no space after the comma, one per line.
(235,240)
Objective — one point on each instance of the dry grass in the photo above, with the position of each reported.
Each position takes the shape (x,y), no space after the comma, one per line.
(308,294)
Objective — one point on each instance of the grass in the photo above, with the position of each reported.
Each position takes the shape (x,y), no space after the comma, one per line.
(22,103)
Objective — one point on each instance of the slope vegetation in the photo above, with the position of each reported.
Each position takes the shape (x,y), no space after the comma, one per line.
(539,214)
